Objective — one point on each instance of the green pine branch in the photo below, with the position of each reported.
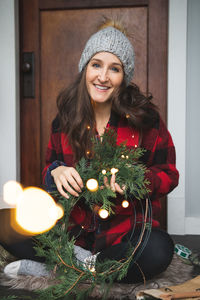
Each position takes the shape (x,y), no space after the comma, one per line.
(56,245)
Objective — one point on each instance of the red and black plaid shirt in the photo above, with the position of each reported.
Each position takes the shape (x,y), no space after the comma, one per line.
(159,159)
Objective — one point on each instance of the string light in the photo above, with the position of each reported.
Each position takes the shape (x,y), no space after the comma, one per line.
(56,213)
(92,185)
(103,213)
(127,156)
(88,127)
(125,204)
(103,172)
(11,192)
(114,171)
(127,116)
(122,156)
(35,210)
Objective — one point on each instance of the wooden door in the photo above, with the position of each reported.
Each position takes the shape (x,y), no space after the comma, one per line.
(56,32)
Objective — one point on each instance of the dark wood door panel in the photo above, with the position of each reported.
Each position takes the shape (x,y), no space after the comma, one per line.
(56,31)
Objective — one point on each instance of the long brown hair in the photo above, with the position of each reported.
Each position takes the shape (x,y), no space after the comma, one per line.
(131,103)
(76,114)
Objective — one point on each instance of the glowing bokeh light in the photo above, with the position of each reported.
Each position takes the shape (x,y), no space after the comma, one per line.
(114,171)
(92,185)
(103,213)
(12,191)
(125,204)
(36,212)
(56,212)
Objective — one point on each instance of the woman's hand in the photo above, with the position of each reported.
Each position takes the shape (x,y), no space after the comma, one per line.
(69,179)
(113,185)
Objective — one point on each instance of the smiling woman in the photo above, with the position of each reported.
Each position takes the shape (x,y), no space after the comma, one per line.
(103,98)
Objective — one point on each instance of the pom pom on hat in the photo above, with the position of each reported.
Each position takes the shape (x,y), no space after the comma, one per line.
(110,39)
(113,23)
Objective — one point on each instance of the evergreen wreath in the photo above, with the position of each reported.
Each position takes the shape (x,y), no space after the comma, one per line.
(56,246)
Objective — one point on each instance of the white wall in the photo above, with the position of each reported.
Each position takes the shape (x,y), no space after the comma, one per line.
(177,107)
(183,202)
(192,116)
(9,93)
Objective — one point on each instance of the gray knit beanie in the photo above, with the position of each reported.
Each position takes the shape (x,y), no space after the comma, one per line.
(114,41)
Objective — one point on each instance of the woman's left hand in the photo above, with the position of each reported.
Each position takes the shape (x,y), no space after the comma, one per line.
(113,185)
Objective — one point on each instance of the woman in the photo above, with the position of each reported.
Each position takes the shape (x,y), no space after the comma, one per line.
(102,97)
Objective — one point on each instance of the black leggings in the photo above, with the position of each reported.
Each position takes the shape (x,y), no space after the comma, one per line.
(155,257)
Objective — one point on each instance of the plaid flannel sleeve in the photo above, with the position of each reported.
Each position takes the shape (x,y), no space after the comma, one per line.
(161,162)
(48,179)
(54,157)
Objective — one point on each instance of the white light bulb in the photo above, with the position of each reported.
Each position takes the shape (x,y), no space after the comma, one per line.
(92,185)
(114,171)
(103,213)
(125,204)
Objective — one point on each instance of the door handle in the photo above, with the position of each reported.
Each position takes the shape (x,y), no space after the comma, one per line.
(28,74)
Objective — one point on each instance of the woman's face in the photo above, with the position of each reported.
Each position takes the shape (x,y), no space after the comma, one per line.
(104,74)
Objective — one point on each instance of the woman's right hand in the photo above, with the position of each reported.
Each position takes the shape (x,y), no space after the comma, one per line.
(69,179)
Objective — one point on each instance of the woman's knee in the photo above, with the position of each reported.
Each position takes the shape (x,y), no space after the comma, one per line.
(154,259)
(161,245)
(158,252)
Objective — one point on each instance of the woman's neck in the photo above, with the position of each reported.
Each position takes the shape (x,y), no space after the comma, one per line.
(102,116)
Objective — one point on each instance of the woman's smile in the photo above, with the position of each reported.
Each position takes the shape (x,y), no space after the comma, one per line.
(101,87)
